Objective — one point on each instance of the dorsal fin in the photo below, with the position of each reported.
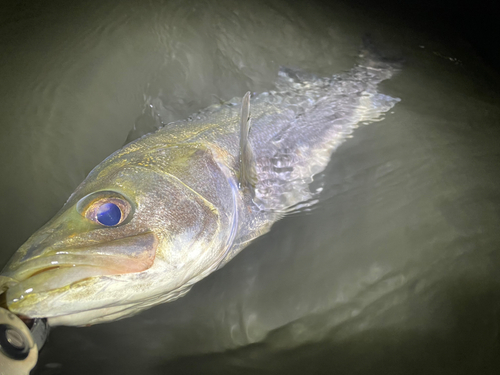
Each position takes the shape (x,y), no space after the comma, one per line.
(247,174)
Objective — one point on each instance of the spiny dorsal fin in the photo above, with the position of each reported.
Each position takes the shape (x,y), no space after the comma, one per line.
(247,174)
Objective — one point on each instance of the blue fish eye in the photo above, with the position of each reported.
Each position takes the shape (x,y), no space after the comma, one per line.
(109,214)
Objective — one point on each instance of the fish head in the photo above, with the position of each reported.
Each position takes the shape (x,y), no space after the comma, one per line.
(133,234)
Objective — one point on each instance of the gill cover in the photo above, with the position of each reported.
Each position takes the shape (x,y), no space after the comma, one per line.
(141,229)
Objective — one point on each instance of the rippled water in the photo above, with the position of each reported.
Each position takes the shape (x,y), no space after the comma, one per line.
(395,271)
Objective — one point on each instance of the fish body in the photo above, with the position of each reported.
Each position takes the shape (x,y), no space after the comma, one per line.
(168,209)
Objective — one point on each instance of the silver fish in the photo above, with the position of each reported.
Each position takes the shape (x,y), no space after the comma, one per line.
(168,209)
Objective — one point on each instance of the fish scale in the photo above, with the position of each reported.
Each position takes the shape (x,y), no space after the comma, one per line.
(294,130)
(193,195)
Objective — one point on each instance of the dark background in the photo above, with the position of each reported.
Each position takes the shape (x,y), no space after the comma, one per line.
(473,22)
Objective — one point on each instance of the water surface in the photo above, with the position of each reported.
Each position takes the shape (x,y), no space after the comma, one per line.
(395,271)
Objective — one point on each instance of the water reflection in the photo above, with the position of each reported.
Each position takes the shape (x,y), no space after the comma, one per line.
(396,269)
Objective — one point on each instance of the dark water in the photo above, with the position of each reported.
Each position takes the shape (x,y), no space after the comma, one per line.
(395,271)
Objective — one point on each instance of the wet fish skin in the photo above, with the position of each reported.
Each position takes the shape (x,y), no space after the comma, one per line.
(188,213)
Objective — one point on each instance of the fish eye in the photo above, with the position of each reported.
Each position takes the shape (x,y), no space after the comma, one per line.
(109,214)
(105,209)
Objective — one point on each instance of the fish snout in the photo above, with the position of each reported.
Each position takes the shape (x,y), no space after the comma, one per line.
(48,269)
(124,255)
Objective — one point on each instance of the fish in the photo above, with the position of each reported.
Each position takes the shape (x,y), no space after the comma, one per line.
(175,205)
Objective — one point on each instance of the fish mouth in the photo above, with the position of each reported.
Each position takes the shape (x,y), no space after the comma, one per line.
(61,268)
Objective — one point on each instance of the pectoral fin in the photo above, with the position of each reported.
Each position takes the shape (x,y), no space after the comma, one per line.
(247,174)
